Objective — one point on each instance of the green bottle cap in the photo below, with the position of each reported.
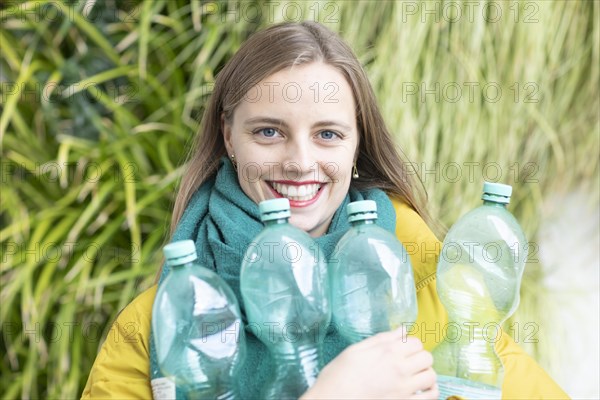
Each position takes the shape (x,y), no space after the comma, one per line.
(496,192)
(274,209)
(180,252)
(361,210)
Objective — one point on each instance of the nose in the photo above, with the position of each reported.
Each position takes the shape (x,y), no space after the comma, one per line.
(300,159)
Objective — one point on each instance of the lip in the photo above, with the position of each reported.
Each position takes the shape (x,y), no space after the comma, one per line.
(295,203)
(297,183)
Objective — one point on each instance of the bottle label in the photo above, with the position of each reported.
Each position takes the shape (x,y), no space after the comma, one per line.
(163,389)
(451,387)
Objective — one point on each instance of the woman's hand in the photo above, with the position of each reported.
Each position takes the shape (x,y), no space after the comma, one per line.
(389,365)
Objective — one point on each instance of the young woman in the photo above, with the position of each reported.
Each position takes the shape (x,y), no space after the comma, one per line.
(293,115)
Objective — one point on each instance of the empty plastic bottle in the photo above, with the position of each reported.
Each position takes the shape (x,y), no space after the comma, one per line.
(371,277)
(197,327)
(285,291)
(478,281)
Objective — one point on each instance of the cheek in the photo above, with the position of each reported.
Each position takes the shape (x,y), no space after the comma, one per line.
(343,174)
(340,187)
(252,190)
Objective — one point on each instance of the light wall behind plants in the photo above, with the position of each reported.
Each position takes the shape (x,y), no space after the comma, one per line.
(101,99)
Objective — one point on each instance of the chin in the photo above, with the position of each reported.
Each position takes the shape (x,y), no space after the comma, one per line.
(301,223)
(313,228)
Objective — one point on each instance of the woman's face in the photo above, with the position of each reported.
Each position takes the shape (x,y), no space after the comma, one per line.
(294,135)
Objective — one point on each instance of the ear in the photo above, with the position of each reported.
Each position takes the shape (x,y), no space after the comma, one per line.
(226,129)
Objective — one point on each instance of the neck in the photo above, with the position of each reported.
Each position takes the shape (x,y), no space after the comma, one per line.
(279,221)
(363,222)
(180,267)
(494,204)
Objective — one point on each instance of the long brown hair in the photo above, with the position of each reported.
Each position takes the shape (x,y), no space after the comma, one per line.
(380,163)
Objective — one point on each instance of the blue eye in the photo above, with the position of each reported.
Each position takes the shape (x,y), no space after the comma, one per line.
(327,135)
(268,132)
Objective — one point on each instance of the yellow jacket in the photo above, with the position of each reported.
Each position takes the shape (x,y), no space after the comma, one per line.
(122,368)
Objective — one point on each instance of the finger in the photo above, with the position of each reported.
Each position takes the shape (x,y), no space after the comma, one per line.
(399,332)
(422,381)
(407,346)
(431,393)
(381,338)
(420,361)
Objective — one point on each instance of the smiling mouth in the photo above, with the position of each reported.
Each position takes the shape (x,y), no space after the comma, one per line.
(304,192)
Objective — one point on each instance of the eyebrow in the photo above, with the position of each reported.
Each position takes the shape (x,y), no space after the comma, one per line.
(282,123)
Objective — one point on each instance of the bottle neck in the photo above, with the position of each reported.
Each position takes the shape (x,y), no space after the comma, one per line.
(278,221)
(494,204)
(363,222)
(184,266)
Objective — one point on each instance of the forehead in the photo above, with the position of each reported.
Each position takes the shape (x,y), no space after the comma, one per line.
(307,92)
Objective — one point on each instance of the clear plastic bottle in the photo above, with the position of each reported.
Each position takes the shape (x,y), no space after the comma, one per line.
(371,277)
(478,281)
(286,297)
(197,327)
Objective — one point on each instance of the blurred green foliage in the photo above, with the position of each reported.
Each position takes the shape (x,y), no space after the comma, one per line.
(101,99)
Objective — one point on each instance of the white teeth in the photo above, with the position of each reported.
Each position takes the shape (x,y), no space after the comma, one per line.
(297,193)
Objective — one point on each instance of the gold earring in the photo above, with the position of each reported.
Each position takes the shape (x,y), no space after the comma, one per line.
(355,172)
(233,162)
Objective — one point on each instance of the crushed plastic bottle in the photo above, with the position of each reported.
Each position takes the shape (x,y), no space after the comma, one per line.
(478,282)
(197,328)
(285,290)
(372,282)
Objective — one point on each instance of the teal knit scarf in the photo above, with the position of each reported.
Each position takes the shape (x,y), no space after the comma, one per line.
(222,221)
